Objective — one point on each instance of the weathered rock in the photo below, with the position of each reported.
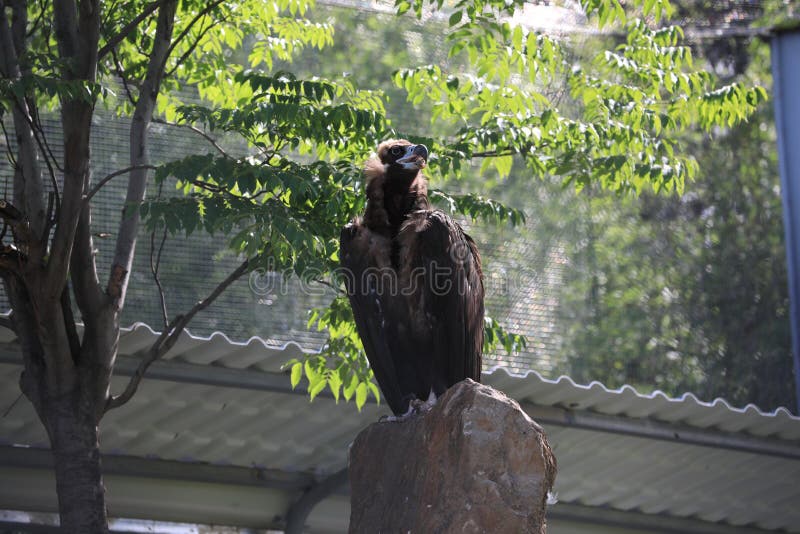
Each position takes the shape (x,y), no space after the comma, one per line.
(474,463)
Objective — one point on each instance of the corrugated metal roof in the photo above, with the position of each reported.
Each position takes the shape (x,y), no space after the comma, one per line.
(264,355)
(230,425)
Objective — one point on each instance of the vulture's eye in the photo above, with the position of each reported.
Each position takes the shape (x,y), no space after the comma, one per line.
(396,151)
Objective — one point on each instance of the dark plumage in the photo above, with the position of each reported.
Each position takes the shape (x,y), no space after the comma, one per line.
(414,282)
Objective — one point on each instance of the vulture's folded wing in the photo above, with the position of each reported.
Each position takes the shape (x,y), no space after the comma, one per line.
(362,282)
(453,298)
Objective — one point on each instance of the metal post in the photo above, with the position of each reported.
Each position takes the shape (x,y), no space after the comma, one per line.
(785,45)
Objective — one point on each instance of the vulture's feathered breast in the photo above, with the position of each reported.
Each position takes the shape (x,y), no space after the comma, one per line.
(414,282)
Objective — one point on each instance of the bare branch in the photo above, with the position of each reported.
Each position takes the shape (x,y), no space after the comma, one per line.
(11,406)
(154,266)
(122,77)
(129,28)
(69,325)
(83,270)
(28,191)
(37,121)
(336,288)
(170,336)
(137,184)
(113,175)
(494,153)
(39,17)
(27,113)
(199,132)
(50,218)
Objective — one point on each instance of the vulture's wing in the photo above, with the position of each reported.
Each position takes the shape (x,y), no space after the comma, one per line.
(453,298)
(369,306)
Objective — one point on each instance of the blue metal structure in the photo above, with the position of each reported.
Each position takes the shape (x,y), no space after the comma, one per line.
(786,78)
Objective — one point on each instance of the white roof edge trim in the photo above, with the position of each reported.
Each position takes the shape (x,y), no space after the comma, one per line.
(530,375)
(596,386)
(253,340)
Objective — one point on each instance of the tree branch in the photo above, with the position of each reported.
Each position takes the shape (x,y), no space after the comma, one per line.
(154,266)
(113,175)
(170,336)
(122,77)
(31,382)
(69,325)
(37,21)
(28,190)
(337,289)
(193,47)
(494,153)
(77,33)
(203,12)
(137,184)
(28,113)
(128,29)
(199,132)
(83,269)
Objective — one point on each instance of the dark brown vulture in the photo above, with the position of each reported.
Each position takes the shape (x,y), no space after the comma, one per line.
(415,284)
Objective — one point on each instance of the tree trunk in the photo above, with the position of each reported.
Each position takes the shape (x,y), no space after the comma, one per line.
(69,405)
(76,453)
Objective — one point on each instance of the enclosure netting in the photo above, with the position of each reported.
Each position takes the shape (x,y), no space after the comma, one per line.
(619,290)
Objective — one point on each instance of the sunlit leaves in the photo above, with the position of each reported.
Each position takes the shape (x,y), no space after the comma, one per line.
(609,12)
(304,115)
(478,207)
(49,90)
(632,101)
(495,336)
(342,366)
(280,205)
(290,211)
(208,36)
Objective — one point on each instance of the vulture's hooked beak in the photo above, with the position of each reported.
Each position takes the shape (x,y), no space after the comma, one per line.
(416,157)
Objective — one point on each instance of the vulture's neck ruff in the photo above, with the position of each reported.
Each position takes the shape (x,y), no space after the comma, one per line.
(396,186)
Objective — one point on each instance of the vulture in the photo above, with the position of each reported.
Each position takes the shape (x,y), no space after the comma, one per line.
(414,281)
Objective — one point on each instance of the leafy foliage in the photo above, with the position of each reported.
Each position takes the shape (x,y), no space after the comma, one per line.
(690,293)
(633,99)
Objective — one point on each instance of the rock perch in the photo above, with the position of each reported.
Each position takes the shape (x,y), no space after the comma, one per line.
(474,463)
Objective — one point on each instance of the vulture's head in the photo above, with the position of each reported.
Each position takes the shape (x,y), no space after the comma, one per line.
(399,154)
(395,183)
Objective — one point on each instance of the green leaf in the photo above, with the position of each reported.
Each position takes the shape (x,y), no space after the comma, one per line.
(335,384)
(317,388)
(296,374)
(361,395)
